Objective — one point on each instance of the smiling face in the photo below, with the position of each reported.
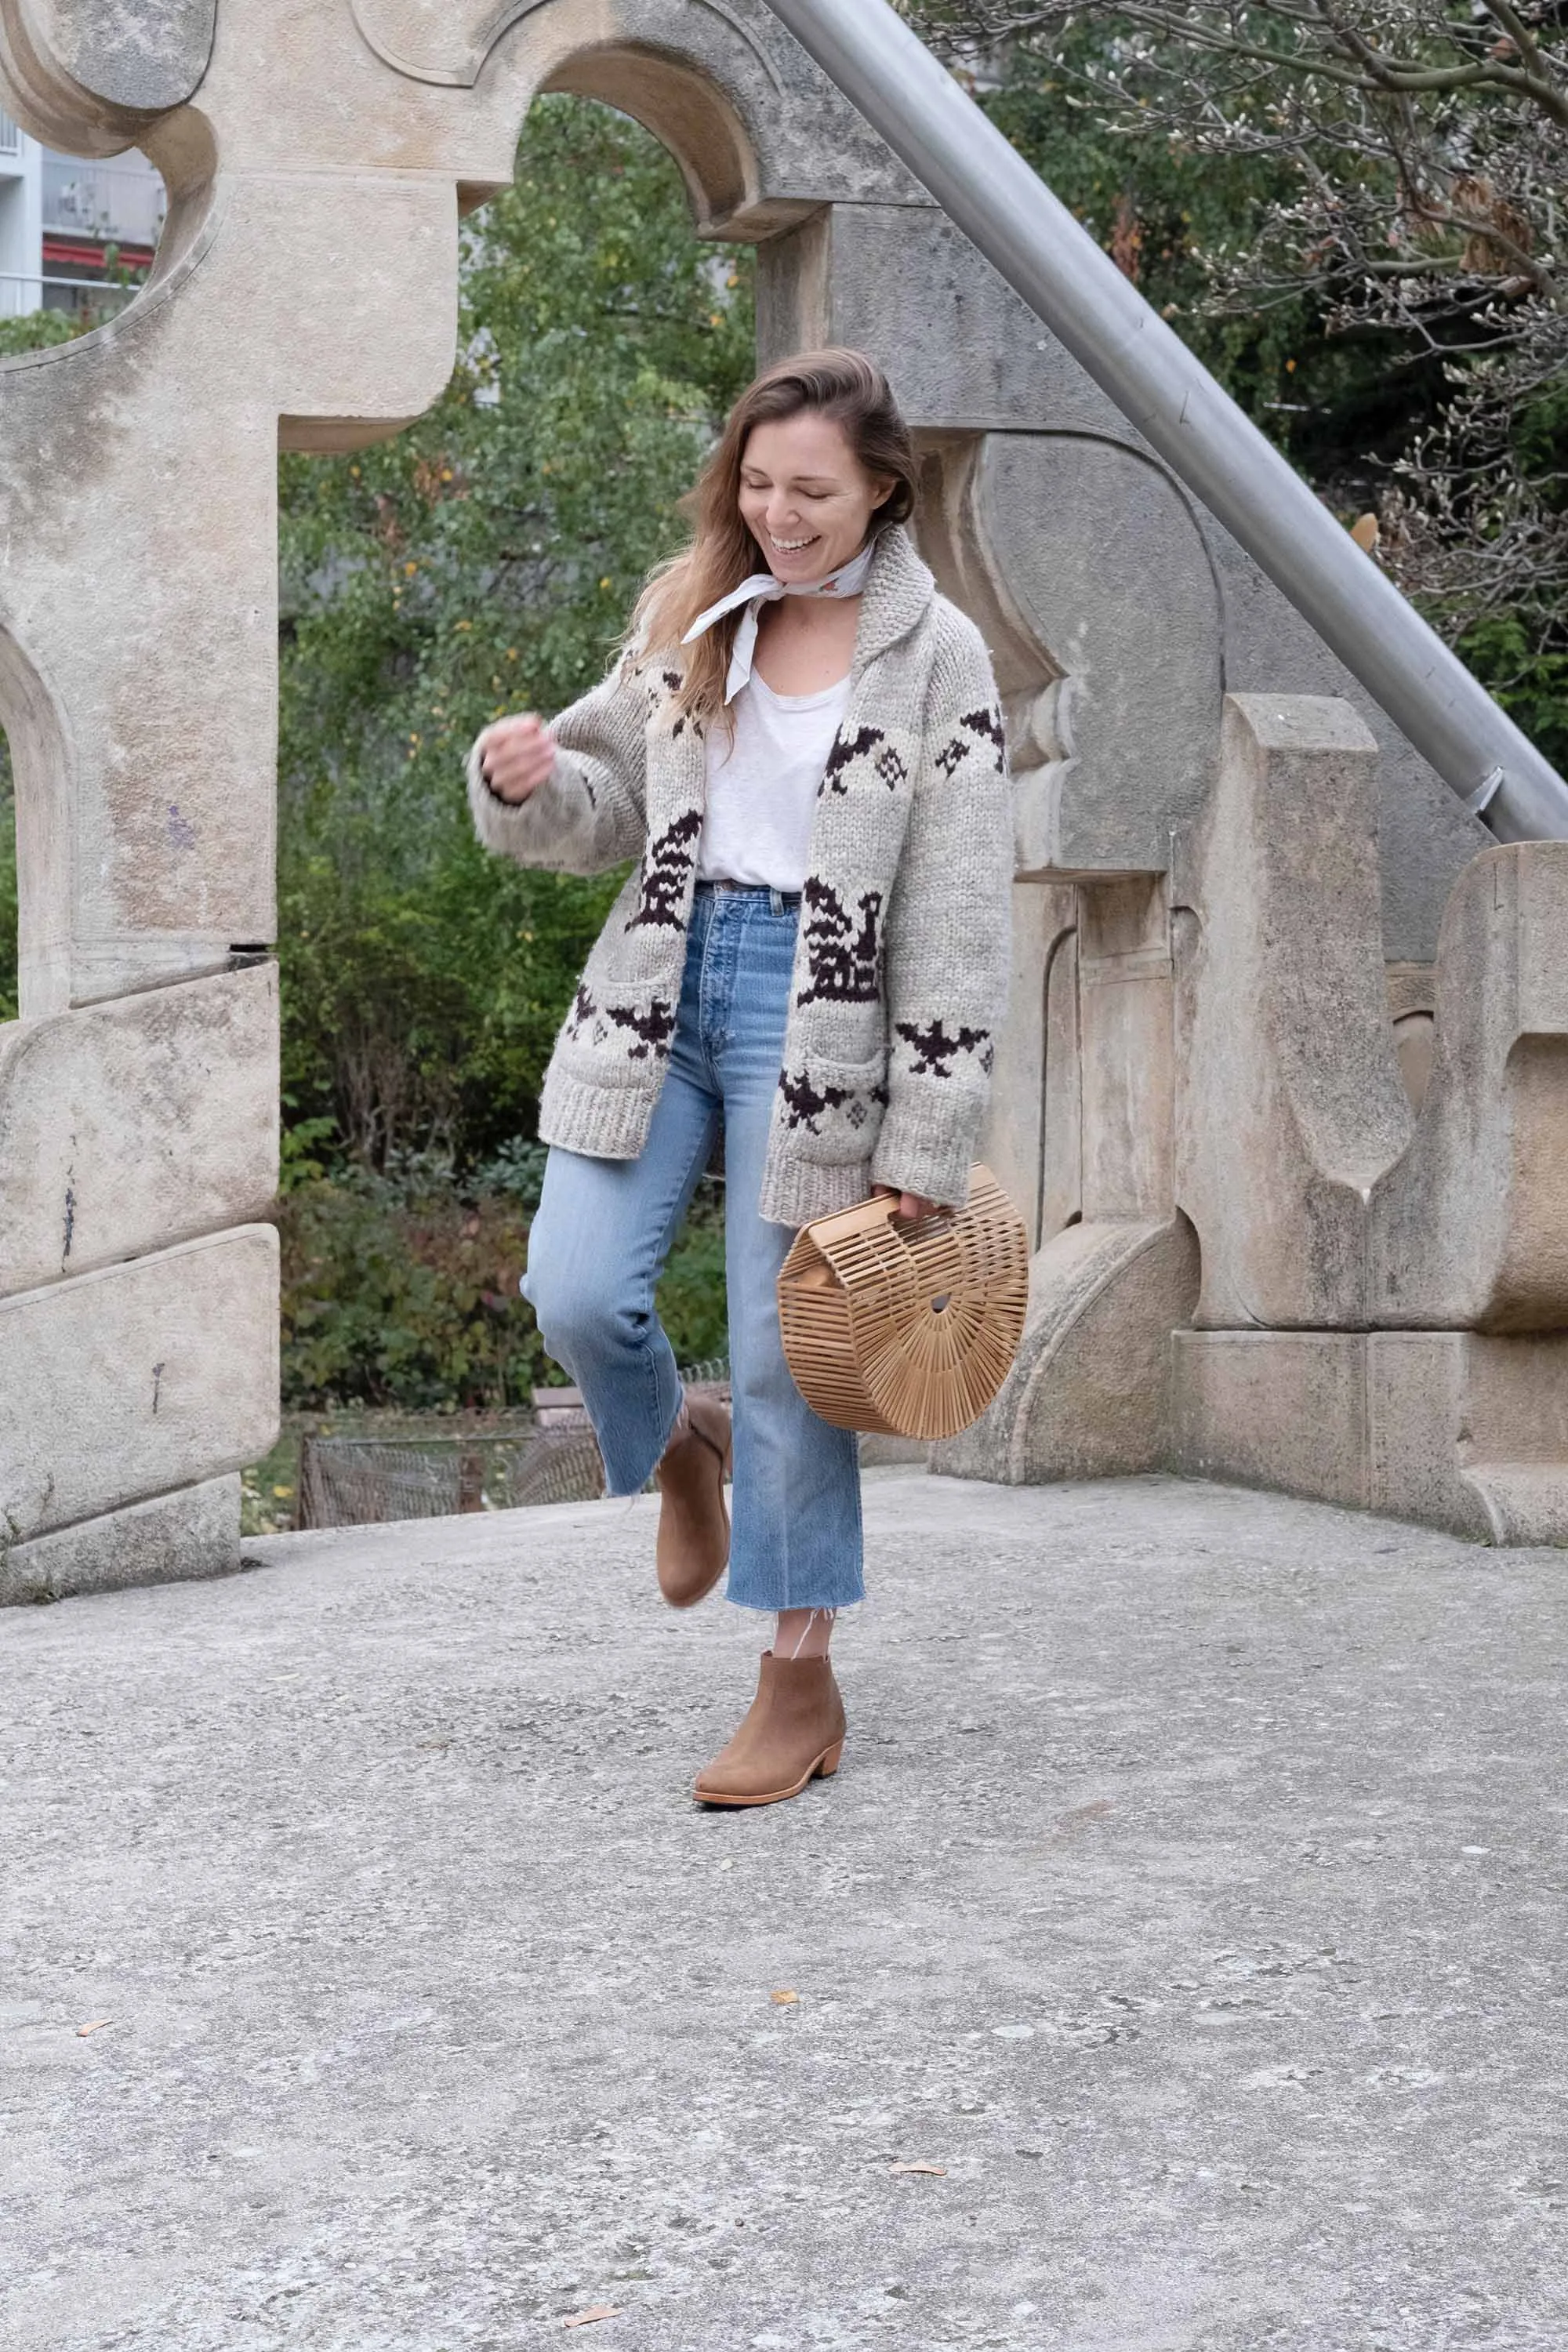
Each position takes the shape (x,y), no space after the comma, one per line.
(806,498)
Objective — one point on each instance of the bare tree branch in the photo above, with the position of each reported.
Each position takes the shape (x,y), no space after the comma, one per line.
(1418,156)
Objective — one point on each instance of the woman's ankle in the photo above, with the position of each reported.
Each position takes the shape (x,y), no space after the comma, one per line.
(804,1632)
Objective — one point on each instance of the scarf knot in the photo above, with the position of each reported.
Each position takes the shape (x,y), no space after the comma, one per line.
(762,589)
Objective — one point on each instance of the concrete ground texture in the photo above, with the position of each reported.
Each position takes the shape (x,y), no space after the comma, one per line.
(1174,1966)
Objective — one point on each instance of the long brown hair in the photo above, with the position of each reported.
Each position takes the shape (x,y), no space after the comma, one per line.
(842,384)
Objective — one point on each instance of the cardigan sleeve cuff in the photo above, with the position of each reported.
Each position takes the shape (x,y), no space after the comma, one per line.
(925,1149)
(519,829)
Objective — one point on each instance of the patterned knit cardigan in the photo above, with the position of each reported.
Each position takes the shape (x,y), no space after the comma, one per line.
(900,973)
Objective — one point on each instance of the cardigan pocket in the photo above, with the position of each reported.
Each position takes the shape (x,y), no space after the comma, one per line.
(616,1032)
(831,1111)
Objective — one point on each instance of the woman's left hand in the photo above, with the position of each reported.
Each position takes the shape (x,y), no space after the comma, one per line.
(911,1204)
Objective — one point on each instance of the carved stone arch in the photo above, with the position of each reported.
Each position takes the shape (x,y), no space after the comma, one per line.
(761,137)
(1051,540)
(691,115)
(697,81)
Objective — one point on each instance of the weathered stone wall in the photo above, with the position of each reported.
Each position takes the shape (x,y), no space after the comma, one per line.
(1231,865)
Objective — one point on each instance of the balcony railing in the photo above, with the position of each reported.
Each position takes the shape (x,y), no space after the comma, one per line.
(19,293)
(105,202)
(10,136)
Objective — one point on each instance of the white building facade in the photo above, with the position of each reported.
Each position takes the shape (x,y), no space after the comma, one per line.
(69,228)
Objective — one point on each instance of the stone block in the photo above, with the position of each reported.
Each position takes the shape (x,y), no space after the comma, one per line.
(1127,1046)
(1284,1409)
(138,1380)
(1450,1428)
(125,1127)
(1089,1394)
(442,85)
(963,348)
(1412,1008)
(1292,1101)
(1471,1229)
(167,1540)
(1426,837)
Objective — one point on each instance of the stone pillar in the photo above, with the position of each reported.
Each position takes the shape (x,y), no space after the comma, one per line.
(1383,1313)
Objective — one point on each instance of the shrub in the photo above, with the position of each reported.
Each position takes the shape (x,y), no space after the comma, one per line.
(402,1290)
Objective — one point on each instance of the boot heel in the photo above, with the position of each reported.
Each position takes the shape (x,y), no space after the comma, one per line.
(829,1764)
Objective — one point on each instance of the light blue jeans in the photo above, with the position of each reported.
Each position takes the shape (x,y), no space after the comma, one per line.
(604,1230)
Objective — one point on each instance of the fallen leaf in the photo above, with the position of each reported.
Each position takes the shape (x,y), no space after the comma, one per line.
(94,2025)
(939,2170)
(1082,1814)
(597,2311)
(782,2000)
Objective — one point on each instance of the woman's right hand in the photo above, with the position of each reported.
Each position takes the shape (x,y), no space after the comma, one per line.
(516,755)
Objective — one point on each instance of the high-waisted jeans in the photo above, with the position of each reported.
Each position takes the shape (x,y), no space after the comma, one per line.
(604,1230)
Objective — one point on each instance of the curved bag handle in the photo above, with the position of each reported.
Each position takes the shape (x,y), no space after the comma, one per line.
(874,1220)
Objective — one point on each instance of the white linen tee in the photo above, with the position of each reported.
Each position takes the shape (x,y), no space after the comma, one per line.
(762,785)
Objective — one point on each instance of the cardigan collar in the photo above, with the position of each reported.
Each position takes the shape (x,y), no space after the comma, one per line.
(896,598)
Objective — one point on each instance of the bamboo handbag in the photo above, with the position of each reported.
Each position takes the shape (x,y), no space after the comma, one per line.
(907,1330)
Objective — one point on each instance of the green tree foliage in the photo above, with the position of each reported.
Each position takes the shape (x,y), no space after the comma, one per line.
(400,1287)
(35,331)
(483,562)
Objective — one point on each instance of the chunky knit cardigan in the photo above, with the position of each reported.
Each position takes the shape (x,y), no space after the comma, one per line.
(900,973)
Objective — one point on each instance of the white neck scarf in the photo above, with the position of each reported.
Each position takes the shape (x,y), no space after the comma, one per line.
(762,589)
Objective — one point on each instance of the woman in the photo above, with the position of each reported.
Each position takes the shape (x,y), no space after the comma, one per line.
(802,747)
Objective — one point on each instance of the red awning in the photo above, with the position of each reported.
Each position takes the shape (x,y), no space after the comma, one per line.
(81,255)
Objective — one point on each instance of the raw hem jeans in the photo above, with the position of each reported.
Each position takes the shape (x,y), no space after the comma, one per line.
(604,1230)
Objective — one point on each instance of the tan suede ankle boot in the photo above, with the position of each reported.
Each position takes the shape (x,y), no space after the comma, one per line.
(693,1523)
(793,1732)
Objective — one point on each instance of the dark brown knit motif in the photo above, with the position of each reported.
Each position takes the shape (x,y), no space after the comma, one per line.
(843,954)
(664,867)
(653,1026)
(974,728)
(807,1103)
(933,1052)
(886,767)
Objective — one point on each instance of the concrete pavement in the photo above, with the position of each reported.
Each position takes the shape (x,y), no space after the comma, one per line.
(1191,1899)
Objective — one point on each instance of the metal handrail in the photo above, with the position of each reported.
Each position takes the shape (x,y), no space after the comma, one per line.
(92,285)
(1050,260)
